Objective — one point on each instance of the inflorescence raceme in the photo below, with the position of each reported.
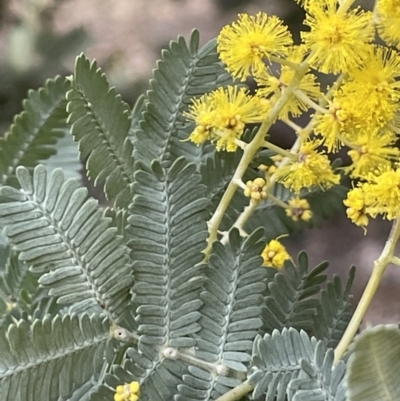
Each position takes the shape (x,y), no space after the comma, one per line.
(359,110)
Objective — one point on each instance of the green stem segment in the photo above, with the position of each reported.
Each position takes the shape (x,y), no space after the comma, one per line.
(237,392)
(248,155)
(379,268)
(241,221)
(278,201)
(278,150)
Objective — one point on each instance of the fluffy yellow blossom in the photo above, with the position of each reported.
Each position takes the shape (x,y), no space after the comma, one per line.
(330,126)
(221,116)
(371,151)
(337,41)
(373,90)
(310,168)
(365,104)
(356,204)
(272,87)
(127,392)
(256,190)
(389,21)
(383,195)
(202,111)
(299,210)
(244,45)
(380,194)
(275,254)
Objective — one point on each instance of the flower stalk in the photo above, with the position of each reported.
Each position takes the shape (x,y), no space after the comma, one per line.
(380,266)
(248,156)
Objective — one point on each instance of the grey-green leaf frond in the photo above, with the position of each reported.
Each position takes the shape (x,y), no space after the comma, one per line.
(158,378)
(13,276)
(291,365)
(100,123)
(319,379)
(60,233)
(137,116)
(168,230)
(67,157)
(290,301)
(231,315)
(374,365)
(51,358)
(184,72)
(18,288)
(36,129)
(334,312)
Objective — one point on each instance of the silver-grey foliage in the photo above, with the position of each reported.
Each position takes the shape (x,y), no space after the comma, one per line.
(75,275)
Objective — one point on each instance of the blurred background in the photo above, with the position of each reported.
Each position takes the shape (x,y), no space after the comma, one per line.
(41,38)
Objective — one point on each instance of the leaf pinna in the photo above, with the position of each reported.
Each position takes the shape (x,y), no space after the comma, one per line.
(64,237)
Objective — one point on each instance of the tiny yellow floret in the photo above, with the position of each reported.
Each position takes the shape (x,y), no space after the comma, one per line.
(299,210)
(127,392)
(275,254)
(356,203)
(256,190)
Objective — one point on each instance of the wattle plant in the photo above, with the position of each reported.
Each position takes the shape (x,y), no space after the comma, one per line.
(183,290)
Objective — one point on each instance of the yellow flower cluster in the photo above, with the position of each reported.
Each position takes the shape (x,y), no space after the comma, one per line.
(379,194)
(246,43)
(271,87)
(299,209)
(127,392)
(221,116)
(360,111)
(307,169)
(389,21)
(363,112)
(256,190)
(275,254)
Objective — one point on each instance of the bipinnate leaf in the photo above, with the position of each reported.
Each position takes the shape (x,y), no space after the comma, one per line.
(67,158)
(36,130)
(18,288)
(64,238)
(51,358)
(290,299)
(231,314)
(374,365)
(290,365)
(168,228)
(137,116)
(167,224)
(100,123)
(334,311)
(185,72)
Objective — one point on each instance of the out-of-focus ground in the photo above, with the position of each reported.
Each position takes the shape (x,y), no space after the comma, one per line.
(126,39)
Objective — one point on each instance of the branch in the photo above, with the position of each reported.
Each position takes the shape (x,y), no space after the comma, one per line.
(376,276)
